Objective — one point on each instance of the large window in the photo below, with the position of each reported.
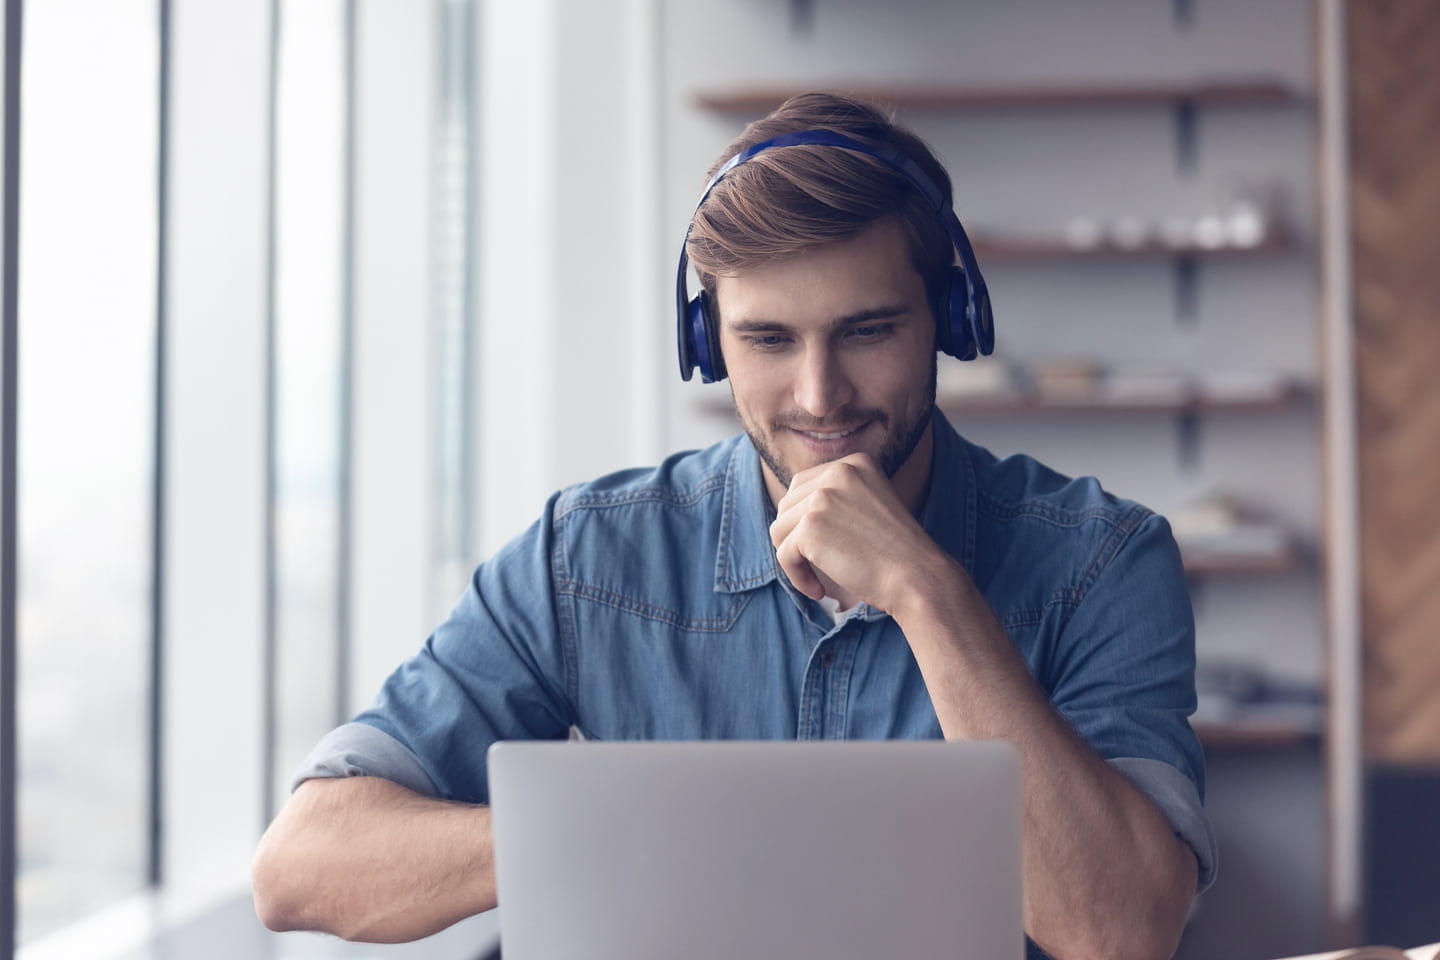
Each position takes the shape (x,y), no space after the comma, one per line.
(86,449)
(310,363)
(285,290)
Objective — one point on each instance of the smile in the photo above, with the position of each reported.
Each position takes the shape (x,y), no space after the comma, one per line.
(832,436)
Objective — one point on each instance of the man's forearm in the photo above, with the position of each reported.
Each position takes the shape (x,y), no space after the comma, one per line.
(1105,875)
(366,859)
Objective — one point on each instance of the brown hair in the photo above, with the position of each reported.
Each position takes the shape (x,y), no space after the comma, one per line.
(783,202)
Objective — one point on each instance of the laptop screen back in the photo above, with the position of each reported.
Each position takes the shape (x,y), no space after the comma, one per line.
(701,850)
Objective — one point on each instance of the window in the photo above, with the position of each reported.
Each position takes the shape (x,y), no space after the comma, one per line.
(86,451)
(269,298)
(310,360)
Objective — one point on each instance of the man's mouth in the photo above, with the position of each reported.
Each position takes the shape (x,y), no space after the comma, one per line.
(832,435)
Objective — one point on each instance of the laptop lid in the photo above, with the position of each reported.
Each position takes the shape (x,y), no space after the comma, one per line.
(720,849)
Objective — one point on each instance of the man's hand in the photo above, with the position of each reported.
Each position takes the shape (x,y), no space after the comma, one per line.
(841,531)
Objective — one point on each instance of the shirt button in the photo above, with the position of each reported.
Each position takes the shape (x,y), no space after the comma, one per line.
(827,657)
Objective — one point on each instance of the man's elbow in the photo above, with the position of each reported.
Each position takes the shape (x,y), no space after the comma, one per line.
(1154,940)
(1157,937)
(277,902)
(1148,927)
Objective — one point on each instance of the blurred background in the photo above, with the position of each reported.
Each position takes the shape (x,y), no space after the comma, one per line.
(311,303)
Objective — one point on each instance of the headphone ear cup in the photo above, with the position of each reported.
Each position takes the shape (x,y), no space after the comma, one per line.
(705,338)
(982,320)
(960,342)
(710,322)
(695,335)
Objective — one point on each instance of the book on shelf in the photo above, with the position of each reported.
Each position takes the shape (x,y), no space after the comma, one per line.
(1428,952)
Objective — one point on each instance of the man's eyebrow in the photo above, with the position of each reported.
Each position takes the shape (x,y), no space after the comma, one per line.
(761,325)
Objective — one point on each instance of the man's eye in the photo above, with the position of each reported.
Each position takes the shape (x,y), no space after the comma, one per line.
(871,331)
(766,341)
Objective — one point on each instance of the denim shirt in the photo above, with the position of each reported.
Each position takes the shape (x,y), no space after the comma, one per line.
(648,604)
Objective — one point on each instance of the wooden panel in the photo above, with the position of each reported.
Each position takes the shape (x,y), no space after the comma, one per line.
(1394,90)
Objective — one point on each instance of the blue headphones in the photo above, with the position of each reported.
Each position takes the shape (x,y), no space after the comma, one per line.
(968,327)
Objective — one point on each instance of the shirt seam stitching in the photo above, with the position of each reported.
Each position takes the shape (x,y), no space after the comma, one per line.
(652,611)
(666,495)
(1110,547)
(566,618)
(1005,511)
(1063,596)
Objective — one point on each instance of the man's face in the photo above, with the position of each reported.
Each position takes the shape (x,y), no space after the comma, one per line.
(832,353)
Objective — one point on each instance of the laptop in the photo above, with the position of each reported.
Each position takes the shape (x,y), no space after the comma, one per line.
(725,850)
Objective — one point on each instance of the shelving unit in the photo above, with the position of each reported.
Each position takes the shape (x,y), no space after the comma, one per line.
(1257,92)
(991,248)
(1184,100)
(1027,403)
(1039,403)
(1077,172)
(1188,403)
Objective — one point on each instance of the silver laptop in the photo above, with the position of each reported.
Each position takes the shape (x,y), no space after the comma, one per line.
(854,850)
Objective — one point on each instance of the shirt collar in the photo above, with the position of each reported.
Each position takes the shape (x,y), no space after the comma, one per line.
(949,511)
(745,558)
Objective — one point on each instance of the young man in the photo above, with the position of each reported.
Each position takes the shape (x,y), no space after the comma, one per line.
(850,567)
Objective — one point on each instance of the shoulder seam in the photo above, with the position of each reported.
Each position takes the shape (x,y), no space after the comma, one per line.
(574,499)
(1124,527)
(1113,514)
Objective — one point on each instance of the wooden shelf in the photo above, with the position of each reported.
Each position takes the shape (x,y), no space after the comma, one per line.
(1241,737)
(1030,403)
(761,99)
(1024,403)
(991,248)
(1210,564)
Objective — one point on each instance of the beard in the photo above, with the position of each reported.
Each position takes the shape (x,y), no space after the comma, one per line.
(902,431)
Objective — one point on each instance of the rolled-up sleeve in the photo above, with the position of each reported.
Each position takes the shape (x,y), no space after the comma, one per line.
(496,669)
(1124,677)
(361,750)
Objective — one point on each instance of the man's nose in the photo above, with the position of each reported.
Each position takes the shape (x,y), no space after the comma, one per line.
(822,386)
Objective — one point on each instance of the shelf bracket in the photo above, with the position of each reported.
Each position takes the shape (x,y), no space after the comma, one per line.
(1187,439)
(802,18)
(1187,289)
(1185,135)
(1184,11)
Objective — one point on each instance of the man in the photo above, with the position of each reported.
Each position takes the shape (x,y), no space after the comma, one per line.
(849,568)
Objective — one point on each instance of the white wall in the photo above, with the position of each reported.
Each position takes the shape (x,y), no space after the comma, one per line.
(574,336)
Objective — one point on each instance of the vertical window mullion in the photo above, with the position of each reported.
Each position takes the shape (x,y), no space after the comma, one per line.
(154,868)
(9,345)
(454,335)
(345,537)
(271,720)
